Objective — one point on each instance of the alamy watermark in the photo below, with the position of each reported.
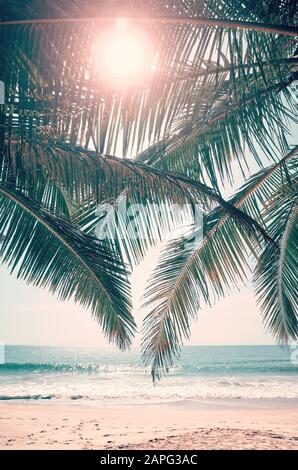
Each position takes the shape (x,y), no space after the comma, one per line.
(148,220)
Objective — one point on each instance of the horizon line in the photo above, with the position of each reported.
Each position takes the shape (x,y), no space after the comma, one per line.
(111,346)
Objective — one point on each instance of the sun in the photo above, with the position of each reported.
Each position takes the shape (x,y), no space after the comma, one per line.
(124,52)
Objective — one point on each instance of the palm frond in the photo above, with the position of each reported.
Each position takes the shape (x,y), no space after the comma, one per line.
(145,184)
(276,274)
(189,274)
(257,191)
(209,146)
(272,11)
(48,251)
(35,183)
(88,175)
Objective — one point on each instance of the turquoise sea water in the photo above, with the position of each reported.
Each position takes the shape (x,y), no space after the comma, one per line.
(103,376)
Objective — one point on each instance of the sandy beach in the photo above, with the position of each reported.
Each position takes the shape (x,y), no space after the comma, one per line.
(183,425)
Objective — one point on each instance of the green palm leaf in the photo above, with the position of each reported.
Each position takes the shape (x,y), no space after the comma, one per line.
(209,147)
(49,252)
(276,275)
(88,175)
(188,275)
(185,277)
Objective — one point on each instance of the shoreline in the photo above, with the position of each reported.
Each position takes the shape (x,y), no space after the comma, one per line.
(180,425)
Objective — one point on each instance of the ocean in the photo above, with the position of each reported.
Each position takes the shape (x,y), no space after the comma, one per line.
(105,376)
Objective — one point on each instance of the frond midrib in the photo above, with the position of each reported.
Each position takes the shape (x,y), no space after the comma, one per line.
(250,25)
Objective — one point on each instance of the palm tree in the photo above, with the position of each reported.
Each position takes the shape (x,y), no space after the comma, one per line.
(214,96)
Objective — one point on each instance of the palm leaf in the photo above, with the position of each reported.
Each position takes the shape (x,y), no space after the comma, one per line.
(86,174)
(186,276)
(209,147)
(276,273)
(49,252)
(189,274)
(257,191)
(152,218)
(35,183)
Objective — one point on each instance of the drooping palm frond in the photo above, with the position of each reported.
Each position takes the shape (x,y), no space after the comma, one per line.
(190,274)
(168,323)
(185,277)
(84,172)
(276,275)
(48,251)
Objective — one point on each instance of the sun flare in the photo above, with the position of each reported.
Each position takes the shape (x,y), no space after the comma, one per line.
(124,51)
